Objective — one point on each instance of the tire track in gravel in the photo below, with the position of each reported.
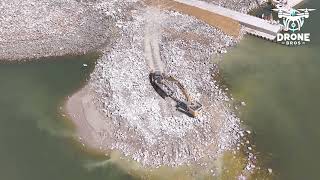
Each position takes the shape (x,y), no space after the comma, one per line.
(152,52)
(151,40)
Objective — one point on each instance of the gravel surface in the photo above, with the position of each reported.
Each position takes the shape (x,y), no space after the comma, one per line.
(243,6)
(146,127)
(140,124)
(38,28)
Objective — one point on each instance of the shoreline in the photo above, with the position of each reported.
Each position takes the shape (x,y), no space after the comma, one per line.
(117,133)
(84,134)
(77,109)
(145,125)
(154,134)
(93,133)
(126,138)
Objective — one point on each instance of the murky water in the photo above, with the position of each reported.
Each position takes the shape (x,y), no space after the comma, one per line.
(280,86)
(35,141)
(38,142)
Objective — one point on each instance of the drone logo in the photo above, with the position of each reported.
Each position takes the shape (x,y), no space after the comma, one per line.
(293,21)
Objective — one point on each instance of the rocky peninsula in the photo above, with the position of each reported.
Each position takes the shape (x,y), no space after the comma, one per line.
(118,109)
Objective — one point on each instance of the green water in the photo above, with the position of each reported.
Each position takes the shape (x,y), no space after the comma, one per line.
(280,86)
(36,143)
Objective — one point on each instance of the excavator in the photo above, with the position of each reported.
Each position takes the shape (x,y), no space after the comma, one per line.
(162,83)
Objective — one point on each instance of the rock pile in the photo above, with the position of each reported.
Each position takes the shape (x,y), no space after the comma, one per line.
(33,28)
(140,123)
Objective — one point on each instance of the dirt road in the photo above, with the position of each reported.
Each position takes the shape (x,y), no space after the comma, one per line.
(151,40)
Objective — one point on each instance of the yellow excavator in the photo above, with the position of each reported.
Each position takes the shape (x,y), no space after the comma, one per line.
(163,86)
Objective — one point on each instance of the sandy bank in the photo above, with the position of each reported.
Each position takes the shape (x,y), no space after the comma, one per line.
(91,126)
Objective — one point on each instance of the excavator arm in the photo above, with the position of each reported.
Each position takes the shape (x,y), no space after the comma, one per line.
(161,83)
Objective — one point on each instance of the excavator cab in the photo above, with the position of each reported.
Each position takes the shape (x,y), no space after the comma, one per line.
(161,84)
(192,109)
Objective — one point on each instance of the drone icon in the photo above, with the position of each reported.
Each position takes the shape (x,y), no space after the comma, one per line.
(293,19)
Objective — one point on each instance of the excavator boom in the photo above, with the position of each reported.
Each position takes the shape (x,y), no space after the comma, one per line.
(161,83)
